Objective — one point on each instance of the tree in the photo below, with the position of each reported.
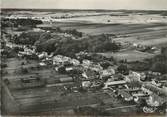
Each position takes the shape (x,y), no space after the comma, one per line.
(69,47)
(164,51)
(123,69)
(162,107)
(62,70)
(159,67)
(28,38)
(20,22)
(142,103)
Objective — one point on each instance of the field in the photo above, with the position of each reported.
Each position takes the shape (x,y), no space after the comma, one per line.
(51,98)
(142,29)
(123,19)
(139,29)
(129,55)
(143,33)
(146,30)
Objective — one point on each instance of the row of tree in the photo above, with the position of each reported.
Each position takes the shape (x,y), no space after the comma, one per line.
(26,38)
(19,22)
(52,42)
(73,32)
(69,47)
(159,63)
(155,64)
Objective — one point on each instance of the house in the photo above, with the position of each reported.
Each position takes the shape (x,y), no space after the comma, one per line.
(156,83)
(156,100)
(43,55)
(24,53)
(134,84)
(146,90)
(134,76)
(86,84)
(107,72)
(124,94)
(66,79)
(68,69)
(139,94)
(86,62)
(89,74)
(152,74)
(149,109)
(150,88)
(81,55)
(56,69)
(138,98)
(156,73)
(75,62)
(135,44)
(38,30)
(114,83)
(95,67)
(142,76)
(42,64)
(84,75)
(59,59)
(133,90)
(51,55)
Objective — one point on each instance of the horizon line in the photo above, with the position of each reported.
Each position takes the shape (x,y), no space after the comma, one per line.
(84,9)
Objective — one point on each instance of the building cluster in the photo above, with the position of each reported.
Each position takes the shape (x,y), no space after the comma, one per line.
(90,75)
(144,48)
(140,47)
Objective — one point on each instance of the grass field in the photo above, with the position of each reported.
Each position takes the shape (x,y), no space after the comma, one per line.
(146,34)
(129,55)
(123,19)
(151,34)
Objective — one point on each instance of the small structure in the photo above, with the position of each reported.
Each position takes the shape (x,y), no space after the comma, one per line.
(114,83)
(42,64)
(124,94)
(43,55)
(86,84)
(107,72)
(66,79)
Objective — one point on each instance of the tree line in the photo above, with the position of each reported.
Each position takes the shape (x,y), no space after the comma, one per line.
(52,42)
(6,22)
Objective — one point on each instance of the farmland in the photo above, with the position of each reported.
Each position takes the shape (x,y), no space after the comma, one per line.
(76,61)
(129,55)
(139,30)
(132,28)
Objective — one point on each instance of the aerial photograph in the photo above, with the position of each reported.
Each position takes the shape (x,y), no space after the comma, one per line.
(83,58)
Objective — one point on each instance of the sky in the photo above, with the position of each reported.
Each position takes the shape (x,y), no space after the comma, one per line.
(87,4)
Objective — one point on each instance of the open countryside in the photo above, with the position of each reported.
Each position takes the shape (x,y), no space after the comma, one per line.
(84,62)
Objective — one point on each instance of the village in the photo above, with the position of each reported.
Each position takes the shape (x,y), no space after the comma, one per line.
(38,82)
(90,75)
